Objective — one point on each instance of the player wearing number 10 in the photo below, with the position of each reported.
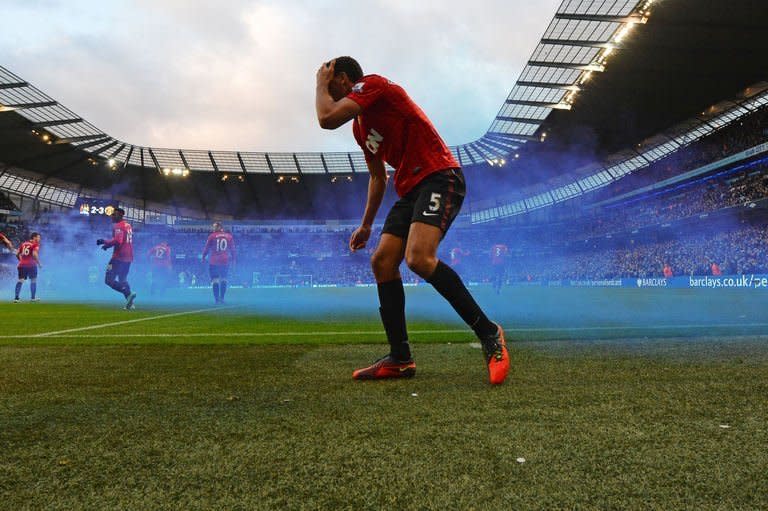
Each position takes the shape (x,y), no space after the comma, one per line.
(391,128)
(116,276)
(221,247)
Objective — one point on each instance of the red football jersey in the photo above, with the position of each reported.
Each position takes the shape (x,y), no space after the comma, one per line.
(221,246)
(498,253)
(392,127)
(122,240)
(160,256)
(26,253)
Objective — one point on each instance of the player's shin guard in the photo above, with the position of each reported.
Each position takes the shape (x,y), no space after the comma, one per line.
(448,283)
(18,289)
(392,311)
(33,289)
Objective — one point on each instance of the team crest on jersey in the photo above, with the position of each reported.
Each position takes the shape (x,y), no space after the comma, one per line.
(358,87)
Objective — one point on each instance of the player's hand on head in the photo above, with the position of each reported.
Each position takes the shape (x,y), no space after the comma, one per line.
(359,238)
(325,73)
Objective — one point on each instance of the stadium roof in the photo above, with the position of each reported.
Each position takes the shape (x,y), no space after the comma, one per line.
(579,38)
(618,70)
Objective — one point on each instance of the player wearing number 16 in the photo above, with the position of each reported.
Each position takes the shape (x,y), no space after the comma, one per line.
(391,128)
(119,265)
(221,247)
(29,262)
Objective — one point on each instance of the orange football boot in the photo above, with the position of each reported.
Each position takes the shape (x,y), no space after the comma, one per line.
(386,367)
(496,356)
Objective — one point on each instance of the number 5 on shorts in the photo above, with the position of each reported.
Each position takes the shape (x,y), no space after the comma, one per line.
(434,202)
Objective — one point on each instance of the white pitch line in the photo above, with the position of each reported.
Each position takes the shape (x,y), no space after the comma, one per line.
(62,333)
(58,333)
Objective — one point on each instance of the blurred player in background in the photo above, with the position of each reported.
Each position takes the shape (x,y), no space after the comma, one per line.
(499,253)
(391,128)
(29,262)
(456,255)
(160,262)
(119,265)
(5,241)
(221,247)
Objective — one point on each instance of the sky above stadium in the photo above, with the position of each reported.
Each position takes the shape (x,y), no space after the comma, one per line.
(241,74)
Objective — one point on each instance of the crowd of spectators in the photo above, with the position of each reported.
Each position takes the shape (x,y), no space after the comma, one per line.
(319,255)
(316,253)
(747,133)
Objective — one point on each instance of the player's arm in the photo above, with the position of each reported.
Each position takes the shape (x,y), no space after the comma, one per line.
(377,184)
(18,253)
(206,249)
(5,241)
(36,257)
(332,114)
(117,240)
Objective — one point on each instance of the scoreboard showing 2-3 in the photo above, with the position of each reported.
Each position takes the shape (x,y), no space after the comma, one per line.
(95,207)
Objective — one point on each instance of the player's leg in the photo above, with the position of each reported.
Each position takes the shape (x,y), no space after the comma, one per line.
(111,277)
(497,278)
(439,202)
(33,288)
(19,283)
(223,282)
(385,263)
(213,271)
(130,296)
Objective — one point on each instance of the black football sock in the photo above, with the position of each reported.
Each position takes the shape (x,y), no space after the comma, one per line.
(222,289)
(392,311)
(448,283)
(33,289)
(18,289)
(216,291)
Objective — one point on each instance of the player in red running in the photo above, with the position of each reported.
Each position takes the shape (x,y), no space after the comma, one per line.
(391,128)
(29,262)
(160,261)
(221,247)
(119,265)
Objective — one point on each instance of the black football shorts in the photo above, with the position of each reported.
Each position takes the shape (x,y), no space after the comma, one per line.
(218,271)
(435,201)
(118,270)
(27,272)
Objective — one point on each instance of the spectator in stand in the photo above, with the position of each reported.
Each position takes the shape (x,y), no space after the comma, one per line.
(715,269)
(667,271)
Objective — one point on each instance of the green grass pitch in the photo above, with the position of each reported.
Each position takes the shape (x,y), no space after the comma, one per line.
(608,406)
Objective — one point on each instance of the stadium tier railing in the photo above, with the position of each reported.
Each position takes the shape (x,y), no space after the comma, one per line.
(622,165)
